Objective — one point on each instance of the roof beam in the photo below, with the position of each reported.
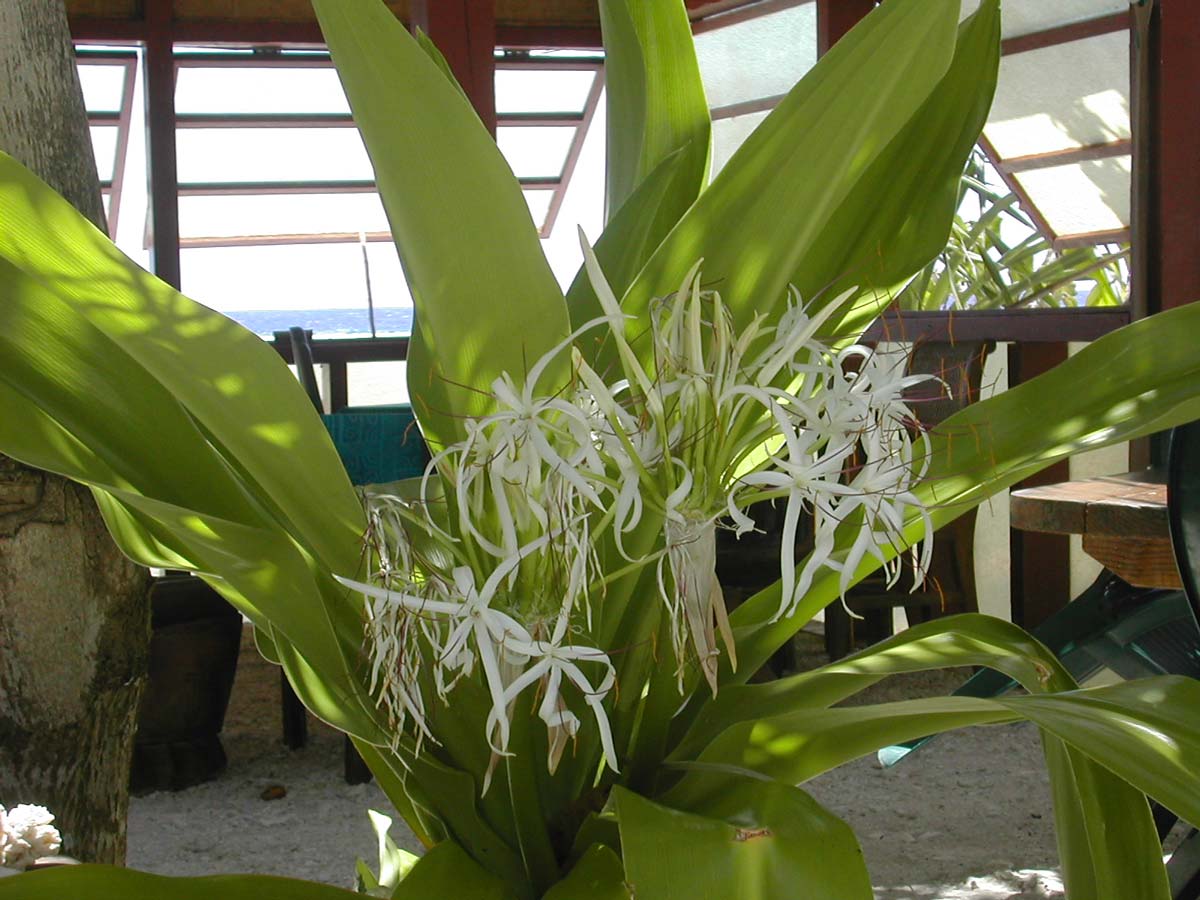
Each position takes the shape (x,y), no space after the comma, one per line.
(161,163)
(465,32)
(1064,34)
(1068,157)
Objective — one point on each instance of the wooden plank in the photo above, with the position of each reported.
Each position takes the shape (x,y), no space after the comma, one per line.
(1100,507)
(549,37)
(1053,509)
(338,350)
(98,30)
(1141,562)
(1064,34)
(1021,325)
(1092,238)
(1069,157)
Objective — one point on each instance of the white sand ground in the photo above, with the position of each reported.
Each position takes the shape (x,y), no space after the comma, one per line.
(966,818)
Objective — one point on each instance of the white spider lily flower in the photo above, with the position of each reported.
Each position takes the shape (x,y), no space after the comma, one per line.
(795,333)
(558,475)
(612,309)
(474,622)
(695,600)
(555,661)
(810,473)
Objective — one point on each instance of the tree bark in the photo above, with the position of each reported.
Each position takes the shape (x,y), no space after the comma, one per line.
(74,613)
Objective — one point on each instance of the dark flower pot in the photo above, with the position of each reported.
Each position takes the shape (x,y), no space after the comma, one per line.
(193,659)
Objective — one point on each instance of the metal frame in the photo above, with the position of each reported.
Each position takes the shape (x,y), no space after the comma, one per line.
(1010,168)
(120,119)
(558,184)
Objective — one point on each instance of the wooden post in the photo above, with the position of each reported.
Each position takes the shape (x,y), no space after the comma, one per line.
(1040,564)
(1166,168)
(1167,154)
(836,17)
(161,169)
(465,32)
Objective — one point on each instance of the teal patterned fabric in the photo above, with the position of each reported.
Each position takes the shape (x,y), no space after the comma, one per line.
(378,444)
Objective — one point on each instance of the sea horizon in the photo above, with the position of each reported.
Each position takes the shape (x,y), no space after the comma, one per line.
(390,321)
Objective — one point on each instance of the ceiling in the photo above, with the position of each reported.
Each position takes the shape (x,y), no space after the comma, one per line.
(571,13)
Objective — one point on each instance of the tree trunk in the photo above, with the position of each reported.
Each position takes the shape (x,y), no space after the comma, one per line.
(74,614)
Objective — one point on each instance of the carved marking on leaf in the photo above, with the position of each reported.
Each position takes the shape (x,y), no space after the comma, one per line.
(750,834)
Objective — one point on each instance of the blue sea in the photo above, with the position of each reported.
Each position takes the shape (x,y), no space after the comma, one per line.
(327,323)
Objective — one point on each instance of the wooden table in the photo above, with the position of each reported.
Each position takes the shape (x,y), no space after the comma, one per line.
(1123,521)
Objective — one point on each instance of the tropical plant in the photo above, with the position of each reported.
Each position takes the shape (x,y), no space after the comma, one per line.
(528,645)
(996,258)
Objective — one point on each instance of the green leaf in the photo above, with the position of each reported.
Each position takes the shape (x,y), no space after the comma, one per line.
(1141,732)
(966,640)
(468,245)
(898,214)
(178,419)
(113,883)
(1097,813)
(755,839)
(759,221)
(445,798)
(447,871)
(191,390)
(1108,845)
(656,103)
(394,862)
(632,235)
(1144,731)
(796,746)
(599,875)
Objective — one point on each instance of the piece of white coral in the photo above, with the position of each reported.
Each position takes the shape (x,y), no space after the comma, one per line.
(27,835)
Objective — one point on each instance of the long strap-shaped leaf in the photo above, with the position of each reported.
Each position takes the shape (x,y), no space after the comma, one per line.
(758,222)
(199,444)
(965,640)
(484,293)
(1144,731)
(656,103)
(83,321)
(1097,813)
(899,213)
(1108,845)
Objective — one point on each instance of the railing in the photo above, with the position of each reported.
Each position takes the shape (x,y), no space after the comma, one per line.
(338,353)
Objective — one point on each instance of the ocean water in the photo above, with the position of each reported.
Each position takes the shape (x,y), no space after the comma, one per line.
(327,323)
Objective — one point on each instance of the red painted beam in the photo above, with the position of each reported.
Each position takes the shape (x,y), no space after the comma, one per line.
(1173,150)
(836,17)
(465,32)
(1064,34)
(160,141)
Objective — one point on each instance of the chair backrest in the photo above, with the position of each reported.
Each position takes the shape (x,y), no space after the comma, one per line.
(303,361)
(1183,507)
(959,365)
